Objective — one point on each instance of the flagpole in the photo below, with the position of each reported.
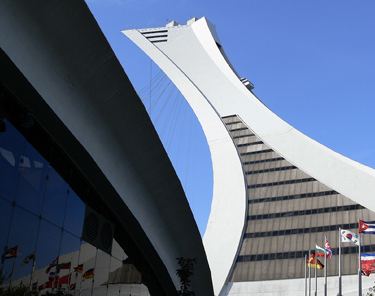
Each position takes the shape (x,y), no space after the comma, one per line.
(340,287)
(316,275)
(80,286)
(305,275)
(32,273)
(68,289)
(11,276)
(325,274)
(360,268)
(325,269)
(310,273)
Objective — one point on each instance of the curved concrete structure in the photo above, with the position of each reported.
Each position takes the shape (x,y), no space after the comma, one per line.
(193,58)
(229,202)
(58,63)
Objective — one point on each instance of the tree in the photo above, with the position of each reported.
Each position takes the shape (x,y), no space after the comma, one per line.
(185,271)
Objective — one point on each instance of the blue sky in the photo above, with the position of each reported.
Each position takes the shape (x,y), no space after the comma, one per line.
(312,63)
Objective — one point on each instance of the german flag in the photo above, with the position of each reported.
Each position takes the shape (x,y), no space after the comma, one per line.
(79,268)
(312,260)
(89,274)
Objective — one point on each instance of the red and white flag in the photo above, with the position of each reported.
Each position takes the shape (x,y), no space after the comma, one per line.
(54,263)
(9,253)
(328,249)
(28,259)
(366,227)
(367,263)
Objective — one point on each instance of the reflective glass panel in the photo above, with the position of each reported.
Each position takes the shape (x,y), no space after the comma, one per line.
(5,221)
(54,204)
(75,213)
(32,180)
(12,145)
(41,220)
(23,233)
(48,245)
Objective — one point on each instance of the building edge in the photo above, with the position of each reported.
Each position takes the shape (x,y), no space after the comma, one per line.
(68,62)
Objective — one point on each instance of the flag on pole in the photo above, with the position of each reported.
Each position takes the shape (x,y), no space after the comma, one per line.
(72,286)
(9,253)
(63,266)
(64,279)
(35,286)
(311,262)
(89,274)
(45,285)
(367,263)
(28,259)
(79,268)
(320,251)
(349,237)
(368,258)
(328,249)
(54,263)
(366,227)
(365,272)
(52,275)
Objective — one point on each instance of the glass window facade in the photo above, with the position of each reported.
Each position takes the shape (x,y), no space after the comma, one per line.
(42,218)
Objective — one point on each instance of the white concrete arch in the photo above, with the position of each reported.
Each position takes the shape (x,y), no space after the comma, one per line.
(60,64)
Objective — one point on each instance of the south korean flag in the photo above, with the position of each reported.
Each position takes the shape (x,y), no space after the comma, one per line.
(349,237)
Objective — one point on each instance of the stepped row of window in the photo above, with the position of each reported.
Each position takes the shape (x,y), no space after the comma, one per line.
(263,160)
(243,136)
(281,183)
(293,196)
(300,254)
(285,168)
(302,230)
(306,212)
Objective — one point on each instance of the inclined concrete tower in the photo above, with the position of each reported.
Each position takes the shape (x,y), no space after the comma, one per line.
(276,191)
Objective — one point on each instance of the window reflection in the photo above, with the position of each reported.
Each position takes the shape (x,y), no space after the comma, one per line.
(41,220)
(5,218)
(70,244)
(48,245)
(54,204)
(27,224)
(32,178)
(102,268)
(12,145)
(75,212)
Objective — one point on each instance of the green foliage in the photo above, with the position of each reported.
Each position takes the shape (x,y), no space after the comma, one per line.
(185,271)
(20,290)
(23,290)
